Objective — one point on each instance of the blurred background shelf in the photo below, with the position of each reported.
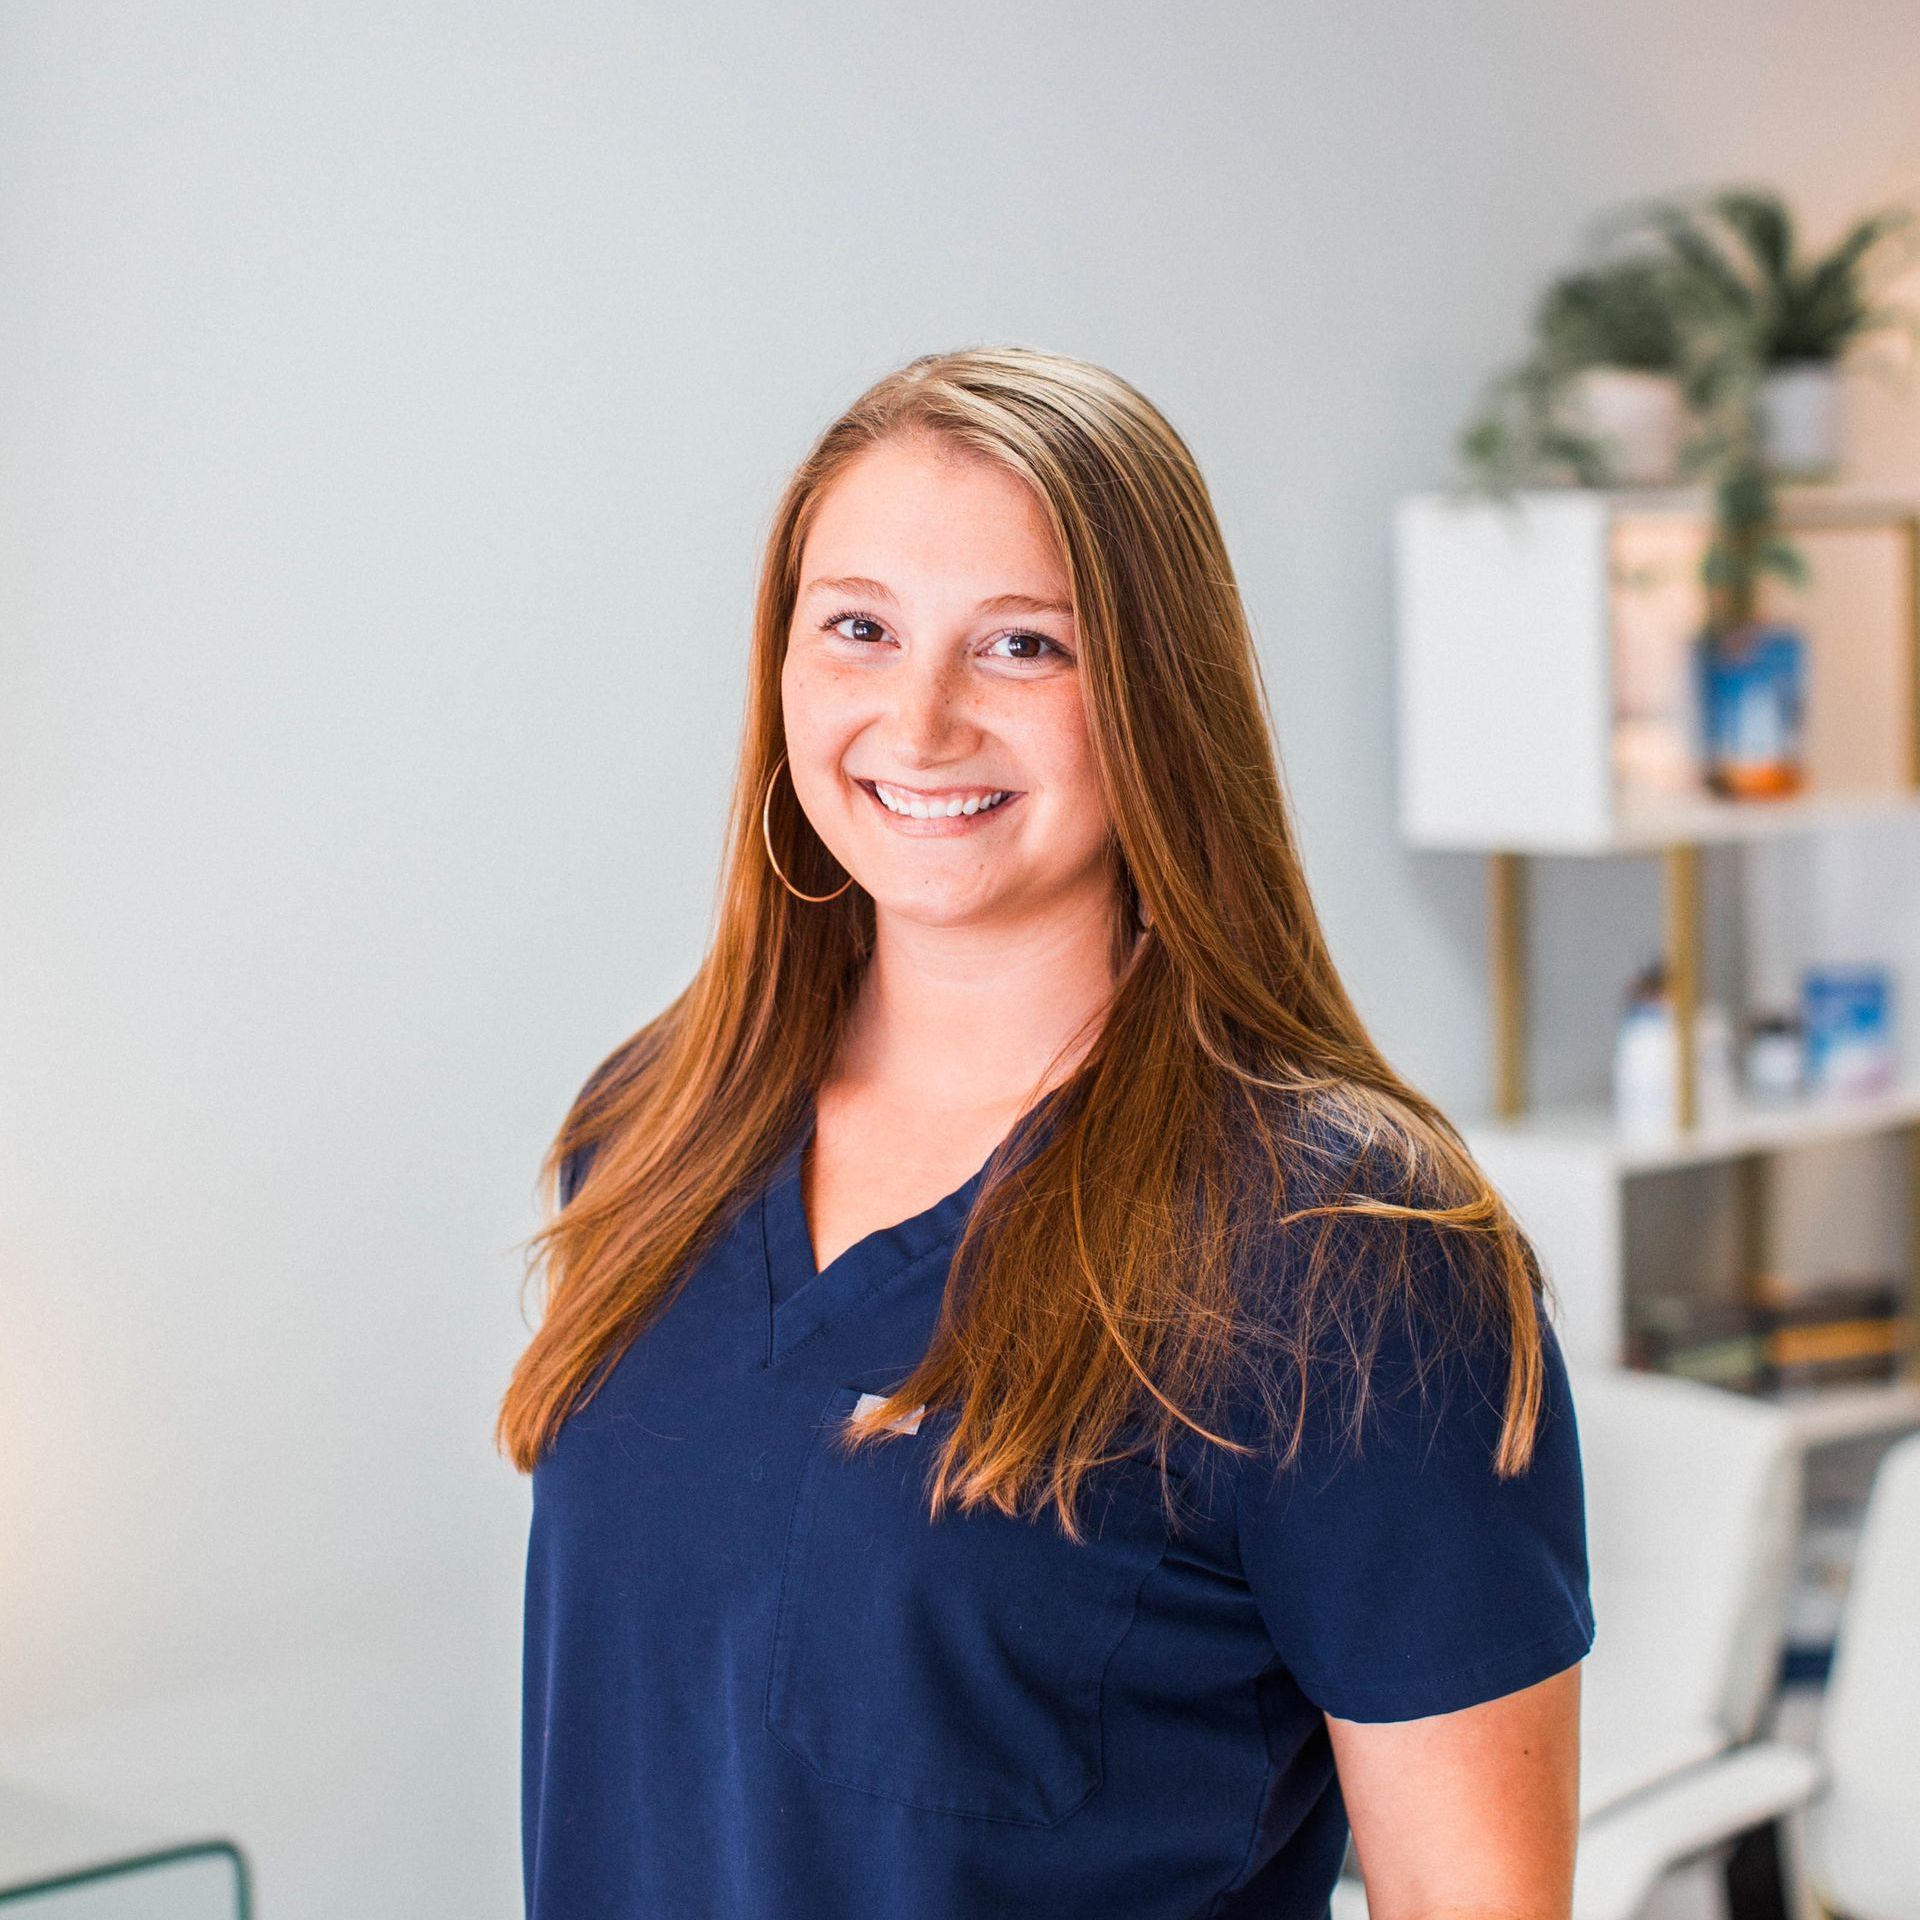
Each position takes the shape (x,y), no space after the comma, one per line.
(1832,1416)
(1544,670)
(1588,1130)
(1547,704)
(1644,827)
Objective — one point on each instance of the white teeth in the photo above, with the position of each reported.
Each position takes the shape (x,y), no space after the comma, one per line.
(938,809)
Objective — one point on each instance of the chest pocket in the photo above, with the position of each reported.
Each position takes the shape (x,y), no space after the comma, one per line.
(955,1665)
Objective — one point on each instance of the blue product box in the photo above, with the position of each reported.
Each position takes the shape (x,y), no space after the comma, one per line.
(1848,1015)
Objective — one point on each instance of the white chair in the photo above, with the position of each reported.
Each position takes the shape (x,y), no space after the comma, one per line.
(63,1861)
(1693,1507)
(1863,1833)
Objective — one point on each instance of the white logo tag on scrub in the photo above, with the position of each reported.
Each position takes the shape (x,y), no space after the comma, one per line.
(905,1423)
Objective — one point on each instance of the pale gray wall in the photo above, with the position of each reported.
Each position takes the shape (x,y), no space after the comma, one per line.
(391,399)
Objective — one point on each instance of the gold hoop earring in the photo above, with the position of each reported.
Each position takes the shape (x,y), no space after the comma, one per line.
(766,834)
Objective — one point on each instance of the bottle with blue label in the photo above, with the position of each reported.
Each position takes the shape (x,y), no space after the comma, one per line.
(1750,689)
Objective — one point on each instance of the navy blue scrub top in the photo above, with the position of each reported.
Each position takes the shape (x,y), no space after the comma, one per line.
(759,1684)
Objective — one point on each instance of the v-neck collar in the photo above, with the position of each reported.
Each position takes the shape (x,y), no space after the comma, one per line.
(823,1295)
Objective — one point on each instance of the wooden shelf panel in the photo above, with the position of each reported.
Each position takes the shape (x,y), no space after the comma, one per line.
(1823,1416)
(1588,1133)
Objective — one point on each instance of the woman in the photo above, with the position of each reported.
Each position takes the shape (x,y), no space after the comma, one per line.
(1032,1414)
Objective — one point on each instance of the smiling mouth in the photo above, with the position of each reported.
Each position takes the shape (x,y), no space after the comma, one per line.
(936,813)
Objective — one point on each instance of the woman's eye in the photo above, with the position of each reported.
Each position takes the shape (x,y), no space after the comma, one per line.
(1039,642)
(862,630)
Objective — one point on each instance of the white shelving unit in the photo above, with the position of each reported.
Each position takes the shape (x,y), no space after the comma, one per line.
(1521,680)
(1566,1173)
(1544,704)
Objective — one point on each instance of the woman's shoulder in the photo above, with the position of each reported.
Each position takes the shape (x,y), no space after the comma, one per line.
(1320,1167)
(1375,1263)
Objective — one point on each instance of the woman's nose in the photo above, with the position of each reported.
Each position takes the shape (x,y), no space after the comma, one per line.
(929,711)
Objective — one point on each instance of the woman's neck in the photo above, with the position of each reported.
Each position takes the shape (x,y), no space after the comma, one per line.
(988,1014)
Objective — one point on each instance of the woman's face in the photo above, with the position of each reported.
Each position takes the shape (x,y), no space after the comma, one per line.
(932,661)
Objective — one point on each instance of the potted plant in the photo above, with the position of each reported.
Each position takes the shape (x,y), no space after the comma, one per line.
(1773,328)
(1598,398)
(1712,298)
(1784,322)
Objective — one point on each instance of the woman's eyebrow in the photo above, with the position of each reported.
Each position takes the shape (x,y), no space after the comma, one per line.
(1022,603)
(999,603)
(849,583)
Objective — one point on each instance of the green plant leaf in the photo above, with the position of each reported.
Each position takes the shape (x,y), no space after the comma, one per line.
(1764,225)
(1687,233)
(1620,314)
(1784,558)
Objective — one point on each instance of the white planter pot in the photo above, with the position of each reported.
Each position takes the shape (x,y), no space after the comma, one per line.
(1800,418)
(1636,415)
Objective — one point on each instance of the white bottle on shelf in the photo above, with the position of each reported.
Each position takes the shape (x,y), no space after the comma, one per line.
(1645,1069)
(1643,1077)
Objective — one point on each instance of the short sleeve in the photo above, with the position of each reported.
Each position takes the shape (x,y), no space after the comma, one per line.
(1406,1578)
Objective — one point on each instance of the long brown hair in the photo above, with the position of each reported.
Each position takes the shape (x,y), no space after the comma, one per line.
(1100,1290)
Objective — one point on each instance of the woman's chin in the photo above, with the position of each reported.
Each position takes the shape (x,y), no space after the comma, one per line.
(931,906)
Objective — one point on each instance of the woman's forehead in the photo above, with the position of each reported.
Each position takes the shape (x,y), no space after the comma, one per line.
(902,517)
